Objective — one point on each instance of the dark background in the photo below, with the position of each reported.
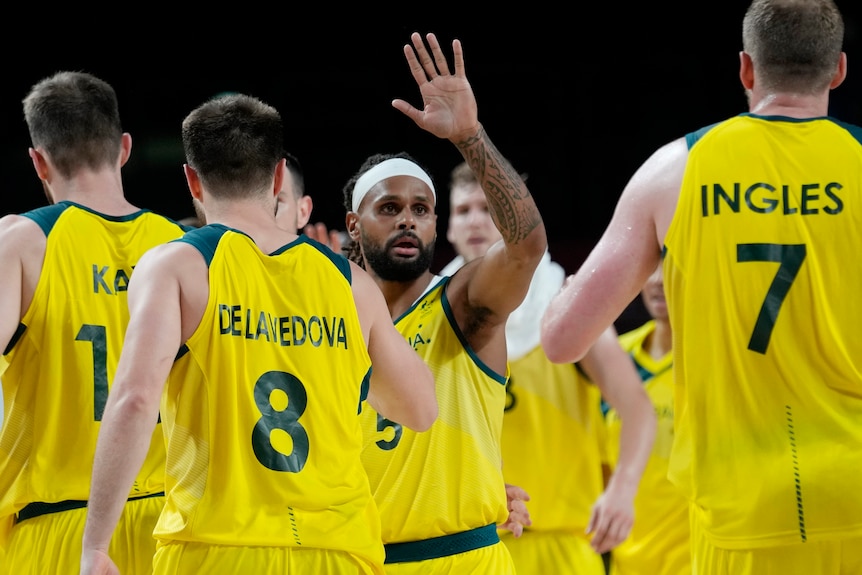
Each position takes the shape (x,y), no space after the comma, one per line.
(576,96)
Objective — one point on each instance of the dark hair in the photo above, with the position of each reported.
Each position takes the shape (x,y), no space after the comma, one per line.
(234,143)
(352,249)
(75,118)
(297,173)
(795,45)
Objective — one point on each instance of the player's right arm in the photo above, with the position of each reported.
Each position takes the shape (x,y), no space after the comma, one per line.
(153,337)
(617,267)
(402,386)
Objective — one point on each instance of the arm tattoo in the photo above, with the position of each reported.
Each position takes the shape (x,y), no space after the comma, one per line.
(512,207)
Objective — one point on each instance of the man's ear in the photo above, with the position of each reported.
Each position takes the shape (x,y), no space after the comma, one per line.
(351,225)
(840,73)
(40,163)
(304,205)
(194,182)
(746,71)
(125,148)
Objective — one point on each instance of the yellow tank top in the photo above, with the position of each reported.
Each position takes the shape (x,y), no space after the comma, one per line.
(762,278)
(661,527)
(553,441)
(65,353)
(261,409)
(447,479)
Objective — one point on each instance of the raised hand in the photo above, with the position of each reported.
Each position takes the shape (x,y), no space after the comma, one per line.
(319,232)
(449,105)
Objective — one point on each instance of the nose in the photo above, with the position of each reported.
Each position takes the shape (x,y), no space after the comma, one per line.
(407,221)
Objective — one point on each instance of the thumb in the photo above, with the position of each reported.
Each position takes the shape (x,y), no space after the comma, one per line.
(407,109)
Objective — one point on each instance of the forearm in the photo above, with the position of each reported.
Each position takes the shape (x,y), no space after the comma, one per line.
(512,207)
(637,435)
(124,440)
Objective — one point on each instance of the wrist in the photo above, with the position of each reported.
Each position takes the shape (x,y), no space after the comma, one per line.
(469,136)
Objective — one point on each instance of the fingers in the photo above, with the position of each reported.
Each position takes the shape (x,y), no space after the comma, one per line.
(335,241)
(458,51)
(608,530)
(320,233)
(408,110)
(427,64)
(518,513)
(439,57)
(416,69)
(515,492)
(423,66)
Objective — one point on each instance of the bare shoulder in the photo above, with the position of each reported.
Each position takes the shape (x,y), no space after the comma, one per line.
(364,288)
(178,260)
(22,240)
(664,166)
(653,190)
(16,229)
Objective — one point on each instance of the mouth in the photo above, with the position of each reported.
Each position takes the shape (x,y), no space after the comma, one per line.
(405,246)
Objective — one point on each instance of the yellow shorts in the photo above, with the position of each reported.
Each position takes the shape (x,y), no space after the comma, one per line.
(542,552)
(838,557)
(51,543)
(182,557)
(491,559)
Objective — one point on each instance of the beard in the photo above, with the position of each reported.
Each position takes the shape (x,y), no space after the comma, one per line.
(397,269)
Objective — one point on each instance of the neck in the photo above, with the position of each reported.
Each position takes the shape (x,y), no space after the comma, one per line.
(661,341)
(101,191)
(791,105)
(401,295)
(252,217)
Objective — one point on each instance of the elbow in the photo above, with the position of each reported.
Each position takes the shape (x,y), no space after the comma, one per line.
(421,416)
(536,242)
(425,418)
(560,347)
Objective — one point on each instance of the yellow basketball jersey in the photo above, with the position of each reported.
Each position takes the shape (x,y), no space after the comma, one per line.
(762,278)
(447,479)
(553,441)
(659,540)
(65,352)
(261,409)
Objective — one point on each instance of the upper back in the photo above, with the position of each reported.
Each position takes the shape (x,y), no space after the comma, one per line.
(66,349)
(271,380)
(89,258)
(766,230)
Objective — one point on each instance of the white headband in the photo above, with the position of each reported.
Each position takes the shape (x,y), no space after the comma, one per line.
(387,169)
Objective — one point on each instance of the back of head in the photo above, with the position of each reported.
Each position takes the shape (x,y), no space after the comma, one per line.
(297,174)
(233,142)
(795,45)
(75,118)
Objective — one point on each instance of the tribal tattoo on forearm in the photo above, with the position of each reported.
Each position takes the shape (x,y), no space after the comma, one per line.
(512,207)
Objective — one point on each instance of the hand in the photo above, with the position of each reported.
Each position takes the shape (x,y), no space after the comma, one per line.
(611,519)
(95,562)
(449,105)
(330,238)
(519,516)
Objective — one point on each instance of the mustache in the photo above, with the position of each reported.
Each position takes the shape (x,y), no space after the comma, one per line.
(405,235)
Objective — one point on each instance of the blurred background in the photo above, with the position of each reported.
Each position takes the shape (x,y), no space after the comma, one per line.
(577,97)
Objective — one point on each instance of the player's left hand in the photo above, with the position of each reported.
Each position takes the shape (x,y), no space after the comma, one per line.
(519,516)
(449,108)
